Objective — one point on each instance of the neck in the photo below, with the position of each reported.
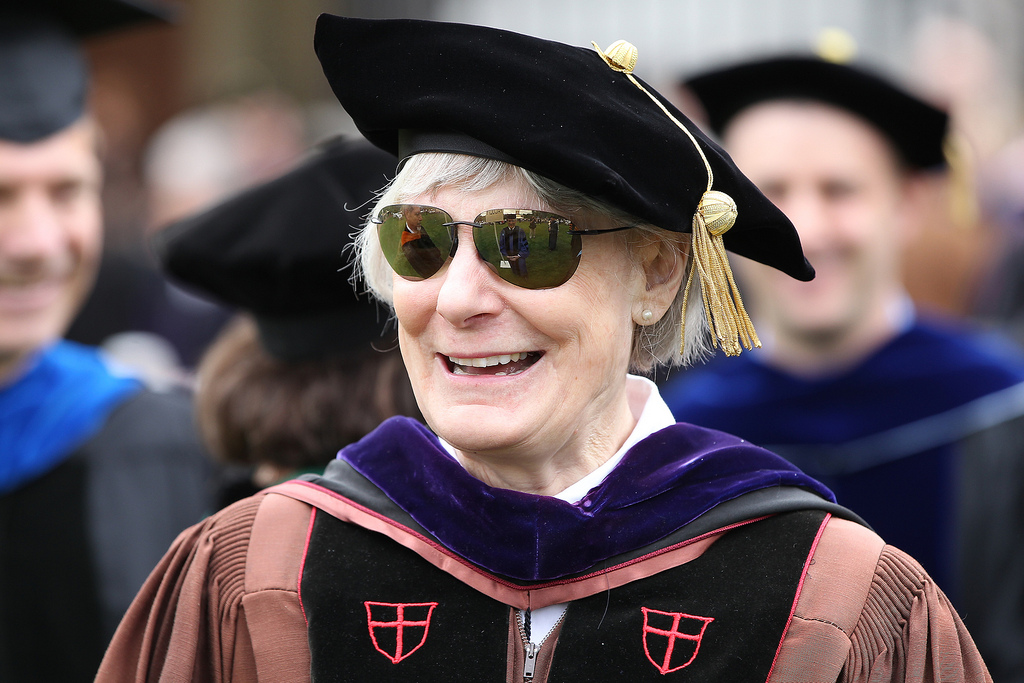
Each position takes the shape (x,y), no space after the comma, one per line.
(546,473)
(815,354)
(12,365)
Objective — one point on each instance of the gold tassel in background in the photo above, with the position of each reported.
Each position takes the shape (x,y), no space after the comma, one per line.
(716,213)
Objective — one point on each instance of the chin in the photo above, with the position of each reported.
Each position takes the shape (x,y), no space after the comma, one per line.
(479,428)
(824,314)
(24,337)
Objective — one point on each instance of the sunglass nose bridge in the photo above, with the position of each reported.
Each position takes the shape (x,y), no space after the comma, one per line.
(455,239)
(454,233)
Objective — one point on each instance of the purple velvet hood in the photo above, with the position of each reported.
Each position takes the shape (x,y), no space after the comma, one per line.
(664,482)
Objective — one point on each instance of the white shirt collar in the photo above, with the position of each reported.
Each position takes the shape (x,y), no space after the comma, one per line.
(654,415)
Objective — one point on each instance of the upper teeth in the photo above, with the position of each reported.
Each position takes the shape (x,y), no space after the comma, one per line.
(488,361)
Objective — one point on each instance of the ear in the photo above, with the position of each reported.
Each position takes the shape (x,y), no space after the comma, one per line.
(662,266)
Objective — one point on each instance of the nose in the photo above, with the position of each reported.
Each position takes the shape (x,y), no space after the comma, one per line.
(30,228)
(469,288)
(810,216)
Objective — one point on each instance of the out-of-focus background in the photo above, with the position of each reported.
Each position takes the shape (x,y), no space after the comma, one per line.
(233,94)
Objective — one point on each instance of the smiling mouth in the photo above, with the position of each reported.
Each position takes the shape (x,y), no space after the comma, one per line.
(28,295)
(495,366)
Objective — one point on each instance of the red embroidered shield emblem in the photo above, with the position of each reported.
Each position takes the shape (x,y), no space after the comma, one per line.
(672,639)
(398,629)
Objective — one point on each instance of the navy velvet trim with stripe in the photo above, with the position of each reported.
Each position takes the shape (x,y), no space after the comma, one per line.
(923,389)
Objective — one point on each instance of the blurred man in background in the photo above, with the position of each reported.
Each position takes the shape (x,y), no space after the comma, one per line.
(918,425)
(97,473)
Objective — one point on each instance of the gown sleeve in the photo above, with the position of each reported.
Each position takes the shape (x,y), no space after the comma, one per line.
(868,613)
(186,623)
(909,632)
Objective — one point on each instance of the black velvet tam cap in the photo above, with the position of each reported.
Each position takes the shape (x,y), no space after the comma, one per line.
(275,250)
(43,76)
(916,129)
(557,110)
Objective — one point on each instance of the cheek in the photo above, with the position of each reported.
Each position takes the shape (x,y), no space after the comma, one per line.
(84,248)
(414,302)
(867,218)
(415,305)
(84,229)
(765,291)
(753,278)
(604,315)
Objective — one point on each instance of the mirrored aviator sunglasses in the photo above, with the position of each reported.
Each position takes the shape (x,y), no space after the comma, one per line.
(525,247)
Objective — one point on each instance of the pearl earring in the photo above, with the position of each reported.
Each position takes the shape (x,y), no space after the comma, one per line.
(647,316)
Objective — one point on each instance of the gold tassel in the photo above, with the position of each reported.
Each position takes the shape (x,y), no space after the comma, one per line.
(716,213)
(963,195)
(723,306)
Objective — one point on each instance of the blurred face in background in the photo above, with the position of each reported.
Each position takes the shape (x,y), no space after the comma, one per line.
(50,237)
(839,181)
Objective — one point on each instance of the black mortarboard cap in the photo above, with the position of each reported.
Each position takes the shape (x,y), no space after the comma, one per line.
(43,75)
(275,250)
(551,108)
(916,129)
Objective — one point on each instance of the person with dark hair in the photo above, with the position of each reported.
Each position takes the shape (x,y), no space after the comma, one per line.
(98,473)
(914,421)
(279,419)
(298,374)
(418,248)
(551,522)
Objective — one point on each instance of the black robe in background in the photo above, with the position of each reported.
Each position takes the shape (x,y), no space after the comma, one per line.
(77,542)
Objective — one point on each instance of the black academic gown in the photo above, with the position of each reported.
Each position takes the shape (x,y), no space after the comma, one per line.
(77,542)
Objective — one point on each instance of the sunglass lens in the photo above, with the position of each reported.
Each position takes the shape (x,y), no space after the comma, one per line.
(414,239)
(527,248)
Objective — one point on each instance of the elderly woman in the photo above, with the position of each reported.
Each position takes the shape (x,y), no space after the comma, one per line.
(552,523)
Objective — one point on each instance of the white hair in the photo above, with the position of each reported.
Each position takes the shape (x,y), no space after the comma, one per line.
(423,174)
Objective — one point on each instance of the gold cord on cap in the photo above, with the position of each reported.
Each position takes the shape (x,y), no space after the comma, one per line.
(716,213)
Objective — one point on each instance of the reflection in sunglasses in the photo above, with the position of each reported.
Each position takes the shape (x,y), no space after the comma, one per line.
(418,241)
